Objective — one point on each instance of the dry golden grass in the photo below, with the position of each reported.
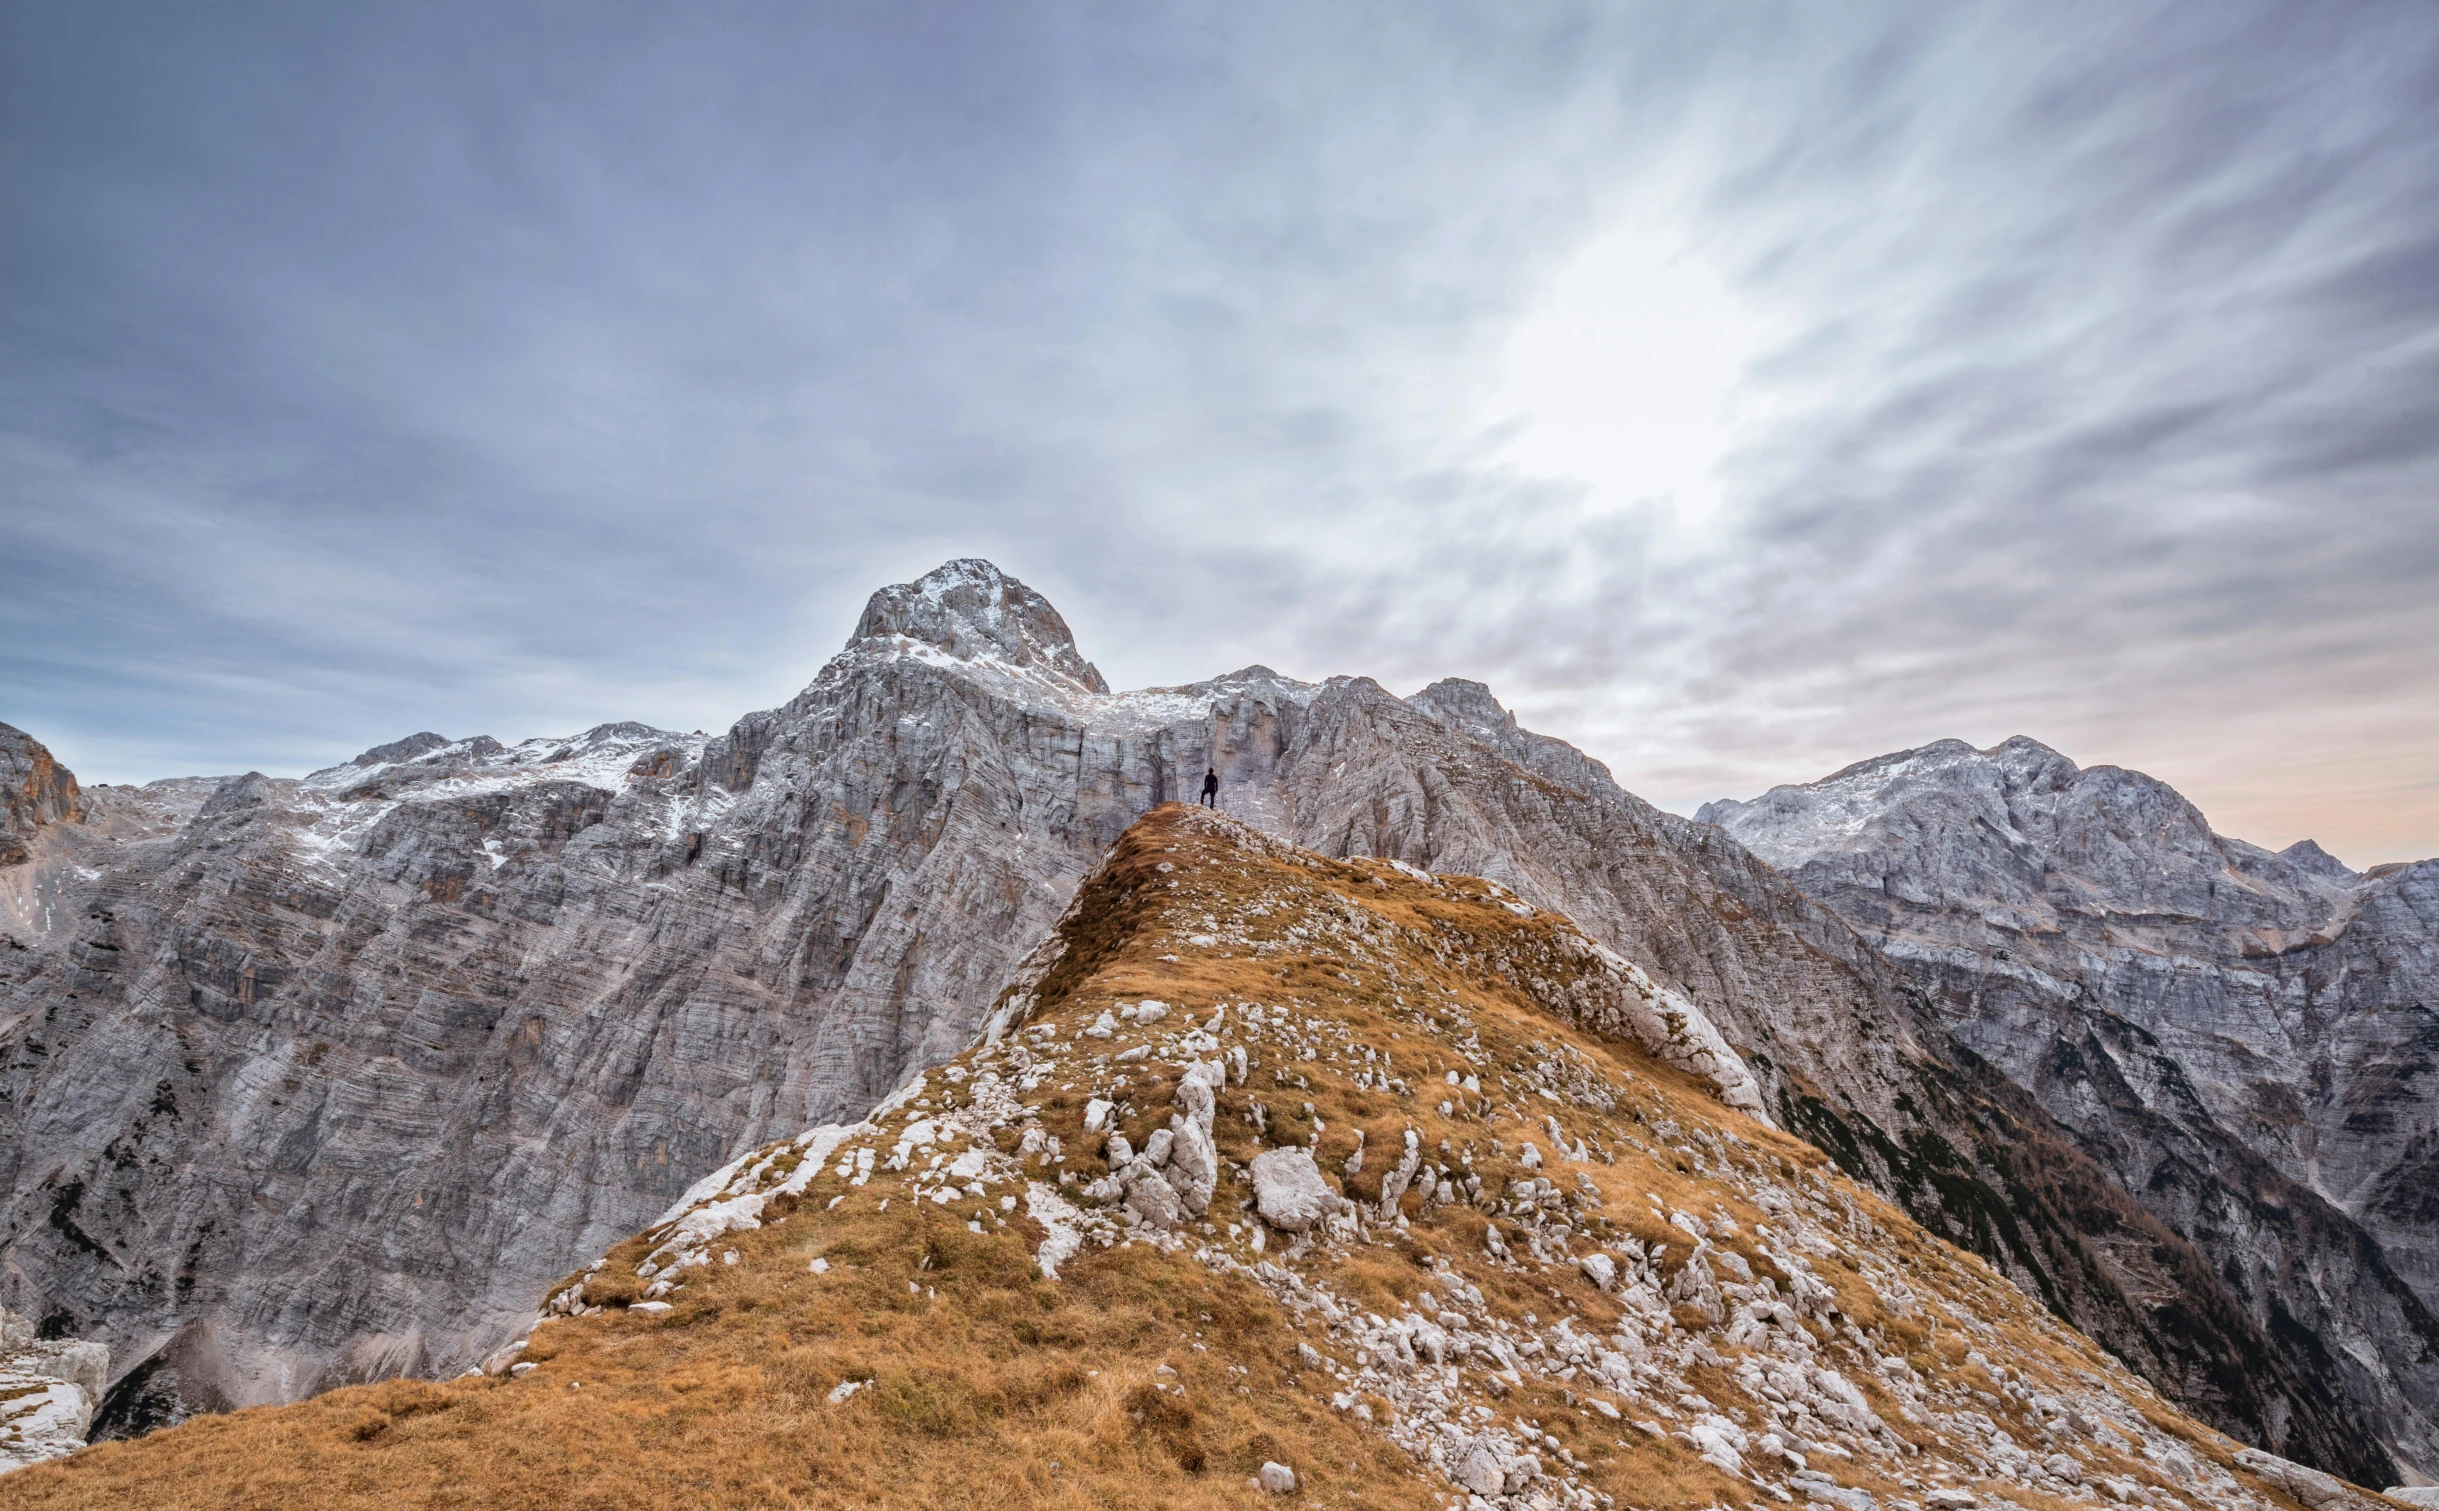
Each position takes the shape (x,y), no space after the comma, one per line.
(989,1388)
(993,1387)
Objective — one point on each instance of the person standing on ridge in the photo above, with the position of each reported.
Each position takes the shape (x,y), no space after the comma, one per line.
(1211,788)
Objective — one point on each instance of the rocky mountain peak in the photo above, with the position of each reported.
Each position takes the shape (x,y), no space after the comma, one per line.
(239,793)
(1472,710)
(2305,855)
(401,750)
(1454,700)
(2021,750)
(975,612)
(2011,801)
(2031,764)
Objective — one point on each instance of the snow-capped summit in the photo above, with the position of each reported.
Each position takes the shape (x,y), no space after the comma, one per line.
(2004,824)
(2259,1023)
(605,755)
(975,612)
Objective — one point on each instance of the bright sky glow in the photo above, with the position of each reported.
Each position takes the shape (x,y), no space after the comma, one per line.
(1626,377)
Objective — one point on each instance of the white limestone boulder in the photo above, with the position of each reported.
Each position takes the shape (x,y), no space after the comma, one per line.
(1289,1192)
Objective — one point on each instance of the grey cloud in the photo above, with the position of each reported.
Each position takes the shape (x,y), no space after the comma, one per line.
(510,368)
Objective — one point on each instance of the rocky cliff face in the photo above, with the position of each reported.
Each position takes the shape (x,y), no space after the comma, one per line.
(1277,1175)
(2249,1041)
(35,790)
(309,1082)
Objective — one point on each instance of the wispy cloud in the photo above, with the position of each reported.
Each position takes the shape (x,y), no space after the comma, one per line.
(484,370)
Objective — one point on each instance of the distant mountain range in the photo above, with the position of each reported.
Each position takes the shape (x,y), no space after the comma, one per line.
(2248,1041)
(313,1082)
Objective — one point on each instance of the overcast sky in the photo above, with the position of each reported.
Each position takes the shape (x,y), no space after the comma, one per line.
(1740,390)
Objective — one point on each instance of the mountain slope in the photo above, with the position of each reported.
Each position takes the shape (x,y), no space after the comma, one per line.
(1280,1176)
(1851,1056)
(2248,1041)
(313,1082)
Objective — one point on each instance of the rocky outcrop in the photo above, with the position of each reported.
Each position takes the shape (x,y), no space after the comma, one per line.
(2248,1041)
(49,1390)
(314,1084)
(34,790)
(1288,1191)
